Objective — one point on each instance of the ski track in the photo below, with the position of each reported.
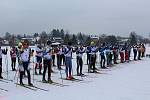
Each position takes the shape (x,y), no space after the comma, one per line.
(127,81)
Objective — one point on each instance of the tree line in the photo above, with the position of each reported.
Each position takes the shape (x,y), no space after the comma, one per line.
(76,39)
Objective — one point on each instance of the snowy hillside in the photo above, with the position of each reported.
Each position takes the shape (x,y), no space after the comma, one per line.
(127,81)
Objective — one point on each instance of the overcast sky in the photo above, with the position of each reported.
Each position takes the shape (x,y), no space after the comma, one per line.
(88,16)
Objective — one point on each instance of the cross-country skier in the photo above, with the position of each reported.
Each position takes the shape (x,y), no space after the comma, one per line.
(13,55)
(39,54)
(115,54)
(102,55)
(139,51)
(111,55)
(92,61)
(79,53)
(47,60)
(107,50)
(68,61)
(88,55)
(122,52)
(129,52)
(24,60)
(18,51)
(2,51)
(135,51)
(62,56)
(59,53)
(53,56)
(143,49)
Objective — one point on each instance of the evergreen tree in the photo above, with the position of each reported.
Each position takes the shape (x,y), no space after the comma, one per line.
(54,33)
(80,37)
(111,39)
(66,39)
(43,37)
(132,38)
(36,35)
(62,33)
(74,40)
(7,36)
(57,33)
(88,41)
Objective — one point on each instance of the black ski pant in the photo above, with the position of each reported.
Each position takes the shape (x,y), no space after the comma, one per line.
(139,55)
(47,65)
(62,58)
(13,63)
(92,62)
(0,67)
(88,58)
(143,54)
(103,61)
(25,66)
(115,58)
(53,58)
(58,61)
(79,65)
(135,54)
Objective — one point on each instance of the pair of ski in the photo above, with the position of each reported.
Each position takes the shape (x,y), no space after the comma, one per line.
(32,87)
(73,79)
(95,72)
(80,75)
(54,83)
(3,90)
(6,80)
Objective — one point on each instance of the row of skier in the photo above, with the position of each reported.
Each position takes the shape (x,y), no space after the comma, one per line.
(45,58)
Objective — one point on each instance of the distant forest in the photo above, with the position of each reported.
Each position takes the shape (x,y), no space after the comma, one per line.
(76,39)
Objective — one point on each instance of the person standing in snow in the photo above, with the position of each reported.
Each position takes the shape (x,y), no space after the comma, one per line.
(88,55)
(107,50)
(79,53)
(13,55)
(25,52)
(92,61)
(62,56)
(53,56)
(59,53)
(143,49)
(2,51)
(68,61)
(135,51)
(122,52)
(139,51)
(110,55)
(102,55)
(115,54)
(39,54)
(47,60)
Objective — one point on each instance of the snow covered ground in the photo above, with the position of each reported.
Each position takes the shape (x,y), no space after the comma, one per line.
(128,81)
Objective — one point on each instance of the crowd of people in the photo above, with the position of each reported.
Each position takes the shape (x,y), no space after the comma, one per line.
(46,56)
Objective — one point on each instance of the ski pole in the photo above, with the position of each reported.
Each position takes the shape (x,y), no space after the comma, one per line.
(89,65)
(18,77)
(78,64)
(33,68)
(6,64)
(61,75)
(60,70)
(80,70)
(72,72)
(16,72)
(99,60)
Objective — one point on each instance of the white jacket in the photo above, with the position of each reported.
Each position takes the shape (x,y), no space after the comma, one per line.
(25,55)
